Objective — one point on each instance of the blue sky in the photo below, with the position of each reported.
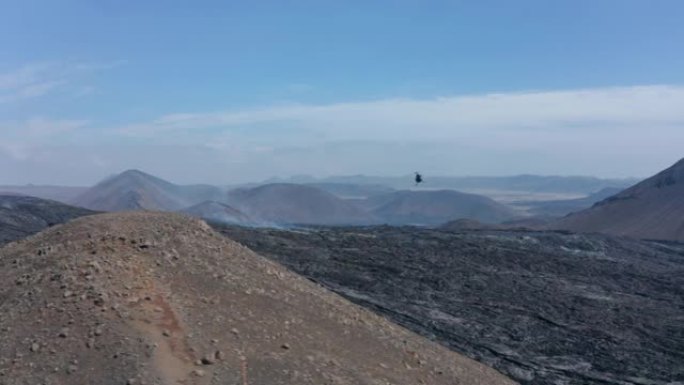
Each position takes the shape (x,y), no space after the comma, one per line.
(221,91)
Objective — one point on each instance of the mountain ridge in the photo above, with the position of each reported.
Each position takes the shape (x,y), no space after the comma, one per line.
(652,208)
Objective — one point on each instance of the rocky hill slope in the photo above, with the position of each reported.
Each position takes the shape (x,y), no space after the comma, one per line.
(543,307)
(21,216)
(652,209)
(149,298)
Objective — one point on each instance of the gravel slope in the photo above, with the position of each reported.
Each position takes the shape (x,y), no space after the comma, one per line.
(153,298)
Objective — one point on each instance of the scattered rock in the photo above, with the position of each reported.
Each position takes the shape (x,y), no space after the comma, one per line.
(208,360)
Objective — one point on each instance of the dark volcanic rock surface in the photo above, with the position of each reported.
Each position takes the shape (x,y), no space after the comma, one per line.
(542,307)
(21,216)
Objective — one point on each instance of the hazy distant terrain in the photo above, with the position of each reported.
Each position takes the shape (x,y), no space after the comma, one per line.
(350,190)
(341,200)
(219,212)
(136,190)
(560,208)
(581,185)
(652,209)
(64,194)
(437,207)
(542,307)
(285,203)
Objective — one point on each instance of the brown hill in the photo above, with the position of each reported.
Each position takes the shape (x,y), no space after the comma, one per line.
(158,298)
(136,190)
(285,203)
(652,209)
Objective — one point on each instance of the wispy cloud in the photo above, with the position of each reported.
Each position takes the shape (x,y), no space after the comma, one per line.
(622,131)
(443,118)
(39,79)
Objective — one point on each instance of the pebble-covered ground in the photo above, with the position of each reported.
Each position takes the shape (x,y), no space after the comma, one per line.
(152,298)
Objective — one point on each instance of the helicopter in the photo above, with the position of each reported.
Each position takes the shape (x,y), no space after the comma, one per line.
(418,178)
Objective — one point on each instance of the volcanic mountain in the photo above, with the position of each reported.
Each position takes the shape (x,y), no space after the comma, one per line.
(218,212)
(158,298)
(136,190)
(21,216)
(285,203)
(437,207)
(652,209)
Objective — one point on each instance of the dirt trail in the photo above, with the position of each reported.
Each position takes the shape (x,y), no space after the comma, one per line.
(173,358)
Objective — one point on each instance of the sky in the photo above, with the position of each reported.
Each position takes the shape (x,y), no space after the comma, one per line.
(235,91)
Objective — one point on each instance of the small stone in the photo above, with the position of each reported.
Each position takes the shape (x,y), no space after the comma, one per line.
(98,331)
(131,381)
(198,372)
(68,293)
(35,347)
(208,360)
(166,333)
(72,368)
(285,346)
(64,333)
(234,331)
(219,355)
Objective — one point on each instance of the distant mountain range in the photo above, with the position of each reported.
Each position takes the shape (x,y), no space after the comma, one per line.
(582,185)
(652,209)
(288,203)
